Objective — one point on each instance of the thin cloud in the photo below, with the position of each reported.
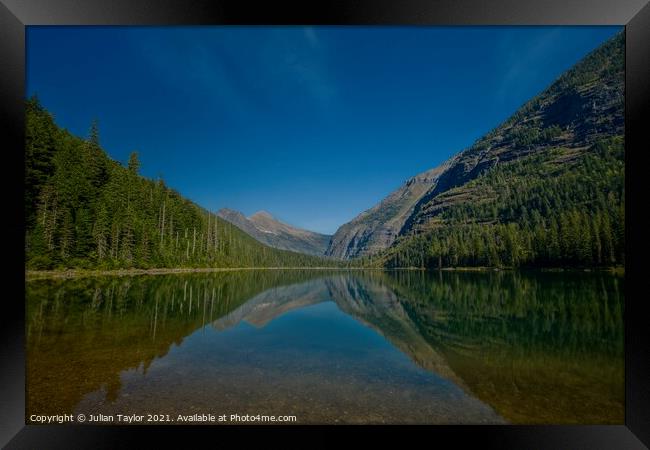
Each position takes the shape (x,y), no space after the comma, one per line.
(312,37)
(188,64)
(211,63)
(304,63)
(522,63)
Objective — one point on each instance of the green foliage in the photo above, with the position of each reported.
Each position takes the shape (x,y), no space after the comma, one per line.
(134,163)
(606,60)
(528,136)
(41,139)
(85,210)
(550,209)
(525,137)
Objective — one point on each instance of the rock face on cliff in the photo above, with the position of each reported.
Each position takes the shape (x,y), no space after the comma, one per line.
(377,228)
(268,230)
(582,106)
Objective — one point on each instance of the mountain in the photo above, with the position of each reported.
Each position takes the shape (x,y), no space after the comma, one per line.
(85,210)
(270,231)
(553,168)
(272,303)
(378,227)
(369,298)
(239,220)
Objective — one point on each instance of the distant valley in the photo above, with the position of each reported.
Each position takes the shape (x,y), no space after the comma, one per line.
(546,188)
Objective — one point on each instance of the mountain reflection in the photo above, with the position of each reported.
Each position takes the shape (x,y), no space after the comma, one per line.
(535,347)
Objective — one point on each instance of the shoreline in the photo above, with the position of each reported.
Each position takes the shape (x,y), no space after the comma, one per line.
(31,275)
(80,273)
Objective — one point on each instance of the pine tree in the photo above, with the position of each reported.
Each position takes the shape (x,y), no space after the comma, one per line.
(134,163)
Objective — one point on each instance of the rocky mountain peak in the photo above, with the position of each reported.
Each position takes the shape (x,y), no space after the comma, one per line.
(261,215)
(274,233)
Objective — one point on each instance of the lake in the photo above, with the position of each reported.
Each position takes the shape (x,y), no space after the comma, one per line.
(359,347)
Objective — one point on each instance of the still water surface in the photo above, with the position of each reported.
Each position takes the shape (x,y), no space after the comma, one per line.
(331,346)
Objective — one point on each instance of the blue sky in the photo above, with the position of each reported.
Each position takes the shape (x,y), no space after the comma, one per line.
(313,124)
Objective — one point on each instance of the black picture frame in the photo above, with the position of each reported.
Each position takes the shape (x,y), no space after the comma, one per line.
(15,15)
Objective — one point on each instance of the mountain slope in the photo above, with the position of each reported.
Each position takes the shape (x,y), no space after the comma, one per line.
(377,228)
(85,210)
(582,107)
(270,231)
(239,220)
(581,112)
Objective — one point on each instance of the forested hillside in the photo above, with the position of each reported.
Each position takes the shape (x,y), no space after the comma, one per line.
(543,210)
(85,210)
(545,188)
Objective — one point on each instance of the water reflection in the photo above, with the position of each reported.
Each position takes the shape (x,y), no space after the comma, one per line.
(352,347)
